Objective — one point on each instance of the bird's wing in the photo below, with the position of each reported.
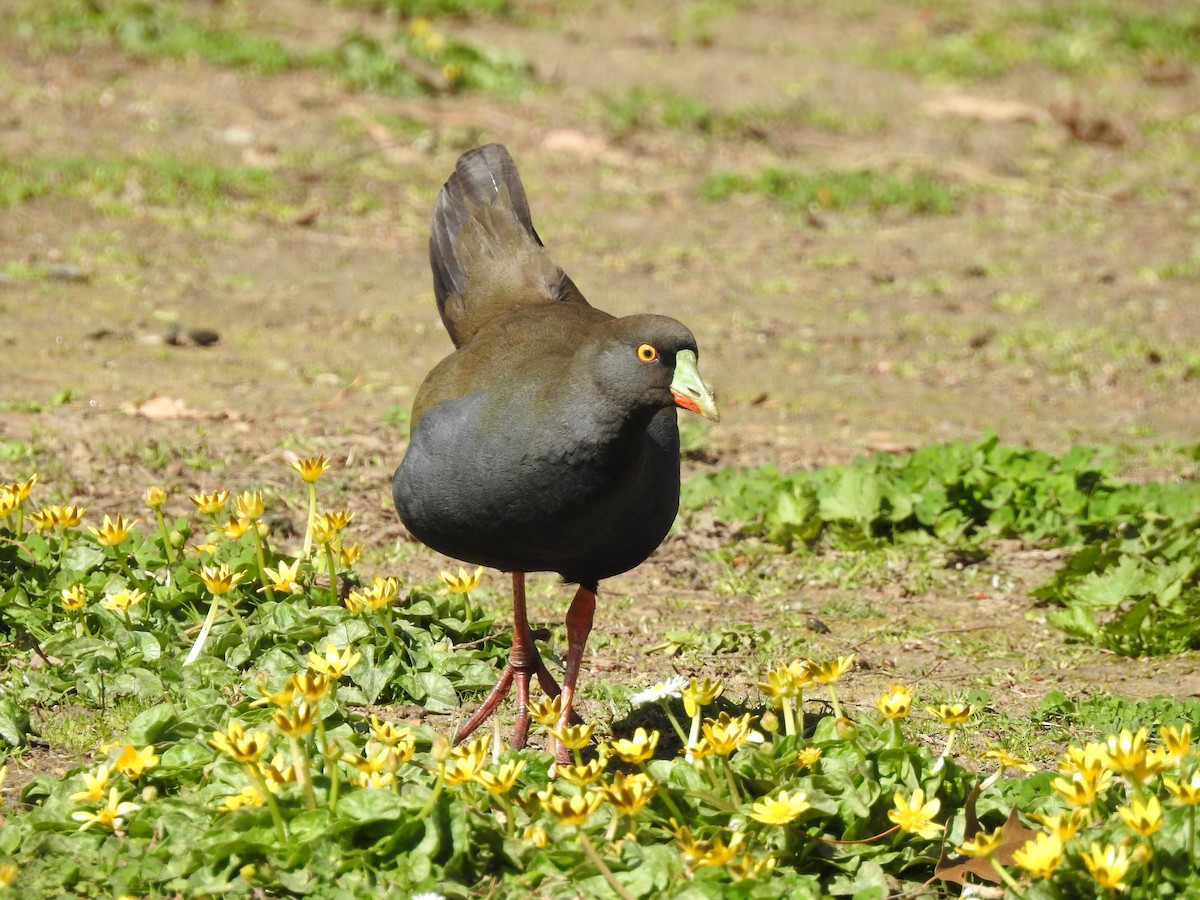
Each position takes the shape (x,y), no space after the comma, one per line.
(487,259)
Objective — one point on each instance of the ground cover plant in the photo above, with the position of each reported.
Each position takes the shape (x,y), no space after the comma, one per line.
(257,759)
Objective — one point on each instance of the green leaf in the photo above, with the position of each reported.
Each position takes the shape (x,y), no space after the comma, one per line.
(151,725)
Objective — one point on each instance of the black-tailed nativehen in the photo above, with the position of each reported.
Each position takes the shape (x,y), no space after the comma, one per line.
(547,441)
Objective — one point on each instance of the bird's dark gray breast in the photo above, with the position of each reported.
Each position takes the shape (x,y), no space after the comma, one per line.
(565,496)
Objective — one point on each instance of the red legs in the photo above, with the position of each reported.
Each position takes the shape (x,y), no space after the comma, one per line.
(524,662)
(579,626)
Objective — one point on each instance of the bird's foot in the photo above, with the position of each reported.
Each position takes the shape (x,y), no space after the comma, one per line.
(518,671)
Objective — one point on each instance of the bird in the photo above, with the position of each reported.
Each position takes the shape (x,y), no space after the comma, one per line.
(547,440)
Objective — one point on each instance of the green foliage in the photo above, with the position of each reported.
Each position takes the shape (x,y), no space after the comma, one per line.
(918,193)
(1133,585)
(1109,714)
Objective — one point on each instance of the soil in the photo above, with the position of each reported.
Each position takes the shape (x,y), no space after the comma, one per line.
(1054,306)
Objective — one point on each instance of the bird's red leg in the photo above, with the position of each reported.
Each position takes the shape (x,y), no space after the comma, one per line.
(579,626)
(524,662)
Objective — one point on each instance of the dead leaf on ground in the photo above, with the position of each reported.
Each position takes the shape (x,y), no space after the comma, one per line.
(1013,835)
(984,109)
(160,408)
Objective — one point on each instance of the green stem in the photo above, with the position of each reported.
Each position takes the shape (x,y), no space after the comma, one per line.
(261,783)
(1013,887)
(331,766)
(789,717)
(62,548)
(674,722)
(711,799)
(590,852)
(165,535)
(435,793)
(303,773)
(662,792)
(897,738)
(833,701)
(386,618)
(731,781)
(334,599)
(312,515)
(260,552)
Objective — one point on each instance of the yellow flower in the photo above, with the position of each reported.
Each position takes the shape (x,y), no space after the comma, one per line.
(249,505)
(1126,751)
(111,531)
(503,779)
(896,702)
(574,737)
(381,593)
(323,531)
(155,497)
(375,780)
(235,742)
(1108,865)
(781,684)
(952,714)
(277,772)
(247,796)
(210,504)
(1009,760)
(236,528)
(379,757)
(219,579)
(74,598)
(1091,761)
(8,874)
(1186,793)
(637,749)
(1041,855)
(280,698)
(122,601)
(725,734)
(311,468)
(461,583)
(8,501)
(58,518)
(1080,790)
(389,732)
(780,810)
(916,816)
(571,810)
(808,757)
(111,815)
(333,664)
(983,844)
(1064,826)
(831,670)
(712,852)
(1143,817)
(94,787)
(284,578)
(312,686)
(750,868)
(582,775)
(19,490)
(629,793)
(349,554)
(338,519)
(699,694)
(536,835)
(547,712)
(295,723)
(133,762)
(1178,741)
(466,761)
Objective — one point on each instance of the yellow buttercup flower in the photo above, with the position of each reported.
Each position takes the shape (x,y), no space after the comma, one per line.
(503,779)
(133,762)
(1091,761)
(1041,855)
(388,732)
(831,670)
(155,497)
(323,531)
(916,815)
(699,694)
(1129,756)
(349,554)
(94,787)
(277,772)
(1187,793)
(630,793)
(379,758)
(111,531)
(234,741)
(123,601)
(311,468)
(312,686)
(896,702)
(9,502)
(284,578)
(712,852)
(752,868)
(1080,790)
(808,757)
(212,503)
(983,844)
(381,593)
(1144,817)
(1108,865)
(111,815)
(333,663)
(466,762)
(637,749)
(463,582)
(725,733)
(1008,760)
(58,518)
(1177,740)
(536,836)
(781,684)
(8,874)
(295,722)
(548,711)
(574,737)
(571,810)
(781,809)
(338,519)
(282,698)
(219,579)
(249,505)
(74,598)
(582,775)
(952,714)
(247,796)
(236,528)
(19,490)
(1064,826)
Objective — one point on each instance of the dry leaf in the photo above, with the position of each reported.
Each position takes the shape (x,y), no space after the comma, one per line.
(1013,836)
(160,408)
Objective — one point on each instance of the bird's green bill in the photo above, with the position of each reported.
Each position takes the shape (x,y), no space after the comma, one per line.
(689,389)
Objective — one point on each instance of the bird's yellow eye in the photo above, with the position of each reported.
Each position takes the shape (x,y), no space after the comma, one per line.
(647,353)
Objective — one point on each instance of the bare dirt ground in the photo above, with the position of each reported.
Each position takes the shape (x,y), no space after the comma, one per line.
(1056,305)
